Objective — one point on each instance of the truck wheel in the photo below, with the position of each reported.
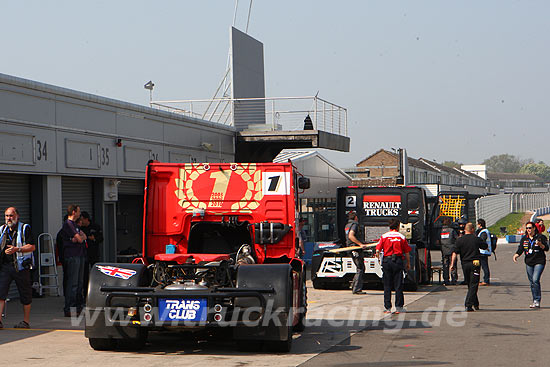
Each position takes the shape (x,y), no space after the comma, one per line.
(412,285)
(317,284)
(300,326)
(275,334)
(284,346)
(429,269)
(134,344)
(249,345)
(103,343)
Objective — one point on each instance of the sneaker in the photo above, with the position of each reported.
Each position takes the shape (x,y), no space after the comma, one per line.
(476,307)
(360,292)
(535,304)
(22,325)
(399,310)
(387,311)
(469,309)
(483,283)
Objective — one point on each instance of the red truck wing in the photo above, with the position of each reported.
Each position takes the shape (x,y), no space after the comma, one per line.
(183,197)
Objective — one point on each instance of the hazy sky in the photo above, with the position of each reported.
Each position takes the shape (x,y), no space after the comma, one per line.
(447,80)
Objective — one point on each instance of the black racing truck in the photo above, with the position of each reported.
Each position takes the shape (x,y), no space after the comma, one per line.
(333,268)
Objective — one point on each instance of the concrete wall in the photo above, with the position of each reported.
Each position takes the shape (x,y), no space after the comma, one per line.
(50,130)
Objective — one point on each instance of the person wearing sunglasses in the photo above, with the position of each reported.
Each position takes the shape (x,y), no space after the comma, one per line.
(533,245)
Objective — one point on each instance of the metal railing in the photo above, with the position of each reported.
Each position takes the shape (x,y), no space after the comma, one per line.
(274,113)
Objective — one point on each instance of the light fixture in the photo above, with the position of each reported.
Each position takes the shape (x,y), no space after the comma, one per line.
(207,146)
(149,85)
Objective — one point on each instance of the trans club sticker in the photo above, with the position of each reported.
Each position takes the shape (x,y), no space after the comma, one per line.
(115,272)
(183,309)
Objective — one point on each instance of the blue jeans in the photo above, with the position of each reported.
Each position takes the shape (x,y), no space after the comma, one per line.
(485,267)
(534,273)
(75,278)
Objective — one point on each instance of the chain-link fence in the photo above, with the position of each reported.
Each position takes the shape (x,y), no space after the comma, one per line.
(494,207)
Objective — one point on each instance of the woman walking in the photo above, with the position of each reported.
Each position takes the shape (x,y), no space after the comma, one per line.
(533,245)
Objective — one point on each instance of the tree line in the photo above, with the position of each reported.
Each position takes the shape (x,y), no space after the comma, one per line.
(507,163)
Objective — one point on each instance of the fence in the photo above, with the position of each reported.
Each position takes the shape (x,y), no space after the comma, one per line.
(492,208)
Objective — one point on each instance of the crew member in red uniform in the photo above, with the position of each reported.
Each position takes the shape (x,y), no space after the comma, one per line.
(395,249)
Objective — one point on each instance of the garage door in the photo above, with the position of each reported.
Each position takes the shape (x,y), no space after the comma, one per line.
(15,191)
(79,191)
(131,187)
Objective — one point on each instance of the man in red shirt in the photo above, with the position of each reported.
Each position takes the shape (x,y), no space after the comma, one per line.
(395,249)
(540,225)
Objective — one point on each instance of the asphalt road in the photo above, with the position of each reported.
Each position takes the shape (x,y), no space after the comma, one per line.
(343,329)
(505,332)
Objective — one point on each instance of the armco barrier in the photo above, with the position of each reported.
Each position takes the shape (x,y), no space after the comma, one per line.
(493,207)
(513,238)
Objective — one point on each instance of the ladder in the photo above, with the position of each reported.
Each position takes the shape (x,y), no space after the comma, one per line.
(46,256)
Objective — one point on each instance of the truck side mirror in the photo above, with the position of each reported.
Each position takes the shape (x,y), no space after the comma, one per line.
(303,183)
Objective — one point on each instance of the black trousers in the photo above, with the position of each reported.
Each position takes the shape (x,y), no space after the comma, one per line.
(393,277)
(359,261)
(471,277)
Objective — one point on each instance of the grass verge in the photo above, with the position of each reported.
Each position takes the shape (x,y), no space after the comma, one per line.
(512,222)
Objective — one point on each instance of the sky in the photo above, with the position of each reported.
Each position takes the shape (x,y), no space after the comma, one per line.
(446,80)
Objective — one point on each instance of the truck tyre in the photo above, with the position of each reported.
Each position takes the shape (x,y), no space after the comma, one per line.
(102,343)
(300,326)
(134,344)
(284,346)
(101,334)
(276,334)
(317,284)
(249,345)
(412,285)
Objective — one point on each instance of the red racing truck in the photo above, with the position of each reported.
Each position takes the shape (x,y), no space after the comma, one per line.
(219,250)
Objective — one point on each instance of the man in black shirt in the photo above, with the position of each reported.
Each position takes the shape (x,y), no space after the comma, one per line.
(95,238)
(467,246)
(16,248)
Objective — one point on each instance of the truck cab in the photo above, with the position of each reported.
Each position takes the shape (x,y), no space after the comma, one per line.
(374,207)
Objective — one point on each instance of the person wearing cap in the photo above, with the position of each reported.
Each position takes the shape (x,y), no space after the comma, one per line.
(395,249)
(352,231)
(447,239)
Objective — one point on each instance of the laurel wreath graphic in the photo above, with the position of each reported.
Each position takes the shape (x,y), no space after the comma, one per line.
(248,173)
